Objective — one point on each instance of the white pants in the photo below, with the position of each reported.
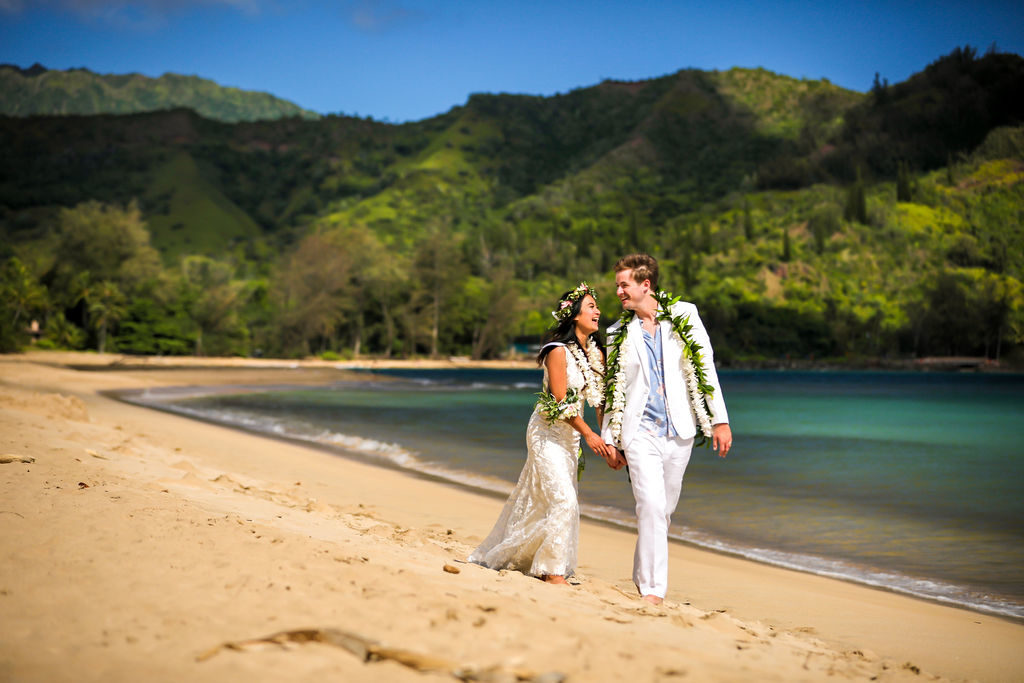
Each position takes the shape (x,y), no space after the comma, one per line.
(656,468)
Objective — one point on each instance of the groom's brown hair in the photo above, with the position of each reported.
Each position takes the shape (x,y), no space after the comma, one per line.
(644,267)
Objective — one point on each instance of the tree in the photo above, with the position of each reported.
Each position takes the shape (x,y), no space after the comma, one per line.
(20,296)
(213,296)
(970,311)
(155,323)
(376,278)
(381,288)
(438,266)
(880,89)
(856,204)
(904,187)
(98,243)
(705,236)
(748,222)
(489,309)
(106,308)
(63,333)
(311,289)
(688,260)
(111,242)
(823,223)
(787,249)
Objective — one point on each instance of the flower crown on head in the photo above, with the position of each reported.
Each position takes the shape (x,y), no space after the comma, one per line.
(564,309)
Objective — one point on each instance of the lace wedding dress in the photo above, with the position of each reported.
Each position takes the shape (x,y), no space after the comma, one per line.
(537,532)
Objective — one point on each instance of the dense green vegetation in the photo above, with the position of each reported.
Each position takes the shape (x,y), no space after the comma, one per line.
(806,221)
(38,90)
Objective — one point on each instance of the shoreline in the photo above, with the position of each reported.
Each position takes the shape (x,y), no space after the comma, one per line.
(91,361)
(854,574)
(258,536)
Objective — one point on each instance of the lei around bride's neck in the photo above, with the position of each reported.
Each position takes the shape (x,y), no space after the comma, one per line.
(582,342)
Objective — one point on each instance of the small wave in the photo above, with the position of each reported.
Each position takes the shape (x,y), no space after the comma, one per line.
(450,385)
(929,589)
(423,381)
(302,431)
(391,453)
(461,382)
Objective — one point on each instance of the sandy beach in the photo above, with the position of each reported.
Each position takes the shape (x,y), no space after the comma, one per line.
(140,545)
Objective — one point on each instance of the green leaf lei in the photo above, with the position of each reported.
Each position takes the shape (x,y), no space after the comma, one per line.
(614,397)
(552,409)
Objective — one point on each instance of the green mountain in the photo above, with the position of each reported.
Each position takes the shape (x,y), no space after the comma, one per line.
(804,219)
(37,90)
(946,109)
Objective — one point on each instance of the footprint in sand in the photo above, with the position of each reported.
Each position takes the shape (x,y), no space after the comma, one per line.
(680,620)
(190,479)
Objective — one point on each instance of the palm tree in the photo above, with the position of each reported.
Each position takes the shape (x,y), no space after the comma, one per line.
(21,291)
(106,308)
(63,332)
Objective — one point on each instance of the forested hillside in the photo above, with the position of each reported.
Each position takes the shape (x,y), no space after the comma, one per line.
(805,220)
(38,90)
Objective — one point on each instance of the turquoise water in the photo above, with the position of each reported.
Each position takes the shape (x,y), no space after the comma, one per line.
(910,481)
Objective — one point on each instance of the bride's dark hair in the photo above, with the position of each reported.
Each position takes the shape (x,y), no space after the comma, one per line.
(565,329)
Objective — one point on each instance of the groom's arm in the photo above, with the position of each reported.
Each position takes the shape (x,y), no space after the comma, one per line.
(721,432)
(719,414)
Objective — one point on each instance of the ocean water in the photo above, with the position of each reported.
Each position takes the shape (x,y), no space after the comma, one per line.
(909,481)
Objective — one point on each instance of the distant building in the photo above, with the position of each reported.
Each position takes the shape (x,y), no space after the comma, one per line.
(525,345)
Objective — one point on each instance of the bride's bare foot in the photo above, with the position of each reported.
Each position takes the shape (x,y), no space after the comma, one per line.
(653,599)
(554,578)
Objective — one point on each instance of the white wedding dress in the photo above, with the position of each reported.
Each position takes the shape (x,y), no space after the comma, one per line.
(537,532)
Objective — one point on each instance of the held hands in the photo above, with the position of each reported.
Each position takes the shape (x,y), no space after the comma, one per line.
(618,459)
(606,451)
(721,438)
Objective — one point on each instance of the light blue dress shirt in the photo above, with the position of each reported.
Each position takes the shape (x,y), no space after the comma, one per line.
(655,419)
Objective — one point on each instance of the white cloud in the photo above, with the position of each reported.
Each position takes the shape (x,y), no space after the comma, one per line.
(379,15)
(134,13)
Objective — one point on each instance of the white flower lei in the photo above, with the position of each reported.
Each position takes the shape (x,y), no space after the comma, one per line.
(590,366)
(698,402)
(698,391)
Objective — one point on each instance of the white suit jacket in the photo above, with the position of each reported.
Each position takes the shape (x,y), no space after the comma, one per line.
(638,382)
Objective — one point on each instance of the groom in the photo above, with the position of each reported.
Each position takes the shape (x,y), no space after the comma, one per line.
(655,425)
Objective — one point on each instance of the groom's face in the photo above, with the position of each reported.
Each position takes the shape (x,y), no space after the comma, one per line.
(630,292)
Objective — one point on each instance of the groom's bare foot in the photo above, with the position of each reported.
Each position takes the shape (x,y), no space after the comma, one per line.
(554,578)
(653,599)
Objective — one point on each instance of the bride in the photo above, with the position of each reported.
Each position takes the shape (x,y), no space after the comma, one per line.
(538,530)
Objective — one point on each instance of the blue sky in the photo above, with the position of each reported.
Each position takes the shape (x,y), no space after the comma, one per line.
(402,60)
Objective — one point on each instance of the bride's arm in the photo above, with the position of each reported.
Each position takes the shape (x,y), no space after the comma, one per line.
(558,383)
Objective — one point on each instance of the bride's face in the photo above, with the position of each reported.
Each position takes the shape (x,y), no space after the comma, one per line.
(589,316)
